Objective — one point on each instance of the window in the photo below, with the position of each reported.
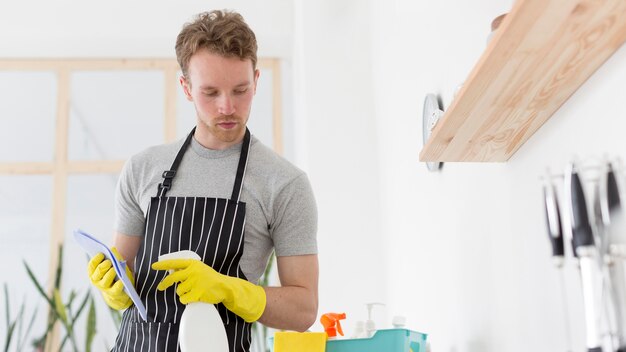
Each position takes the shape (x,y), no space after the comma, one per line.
(67,128)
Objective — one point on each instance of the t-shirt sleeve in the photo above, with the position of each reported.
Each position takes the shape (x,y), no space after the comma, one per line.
(294,229)
(129,218)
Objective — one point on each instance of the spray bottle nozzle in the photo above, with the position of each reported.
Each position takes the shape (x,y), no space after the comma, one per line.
(331,324)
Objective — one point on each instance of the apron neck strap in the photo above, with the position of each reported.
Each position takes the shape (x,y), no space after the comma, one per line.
(241,167)
(168,175)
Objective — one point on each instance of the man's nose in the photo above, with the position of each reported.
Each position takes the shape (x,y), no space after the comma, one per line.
(226,105)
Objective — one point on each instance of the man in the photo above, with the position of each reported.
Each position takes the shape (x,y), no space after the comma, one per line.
(221,194)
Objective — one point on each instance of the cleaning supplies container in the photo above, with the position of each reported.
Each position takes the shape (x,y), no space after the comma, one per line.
(384,340)
(388,340)
(299,342)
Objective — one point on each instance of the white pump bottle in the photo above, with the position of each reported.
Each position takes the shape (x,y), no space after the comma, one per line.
(200,324)
(370,326)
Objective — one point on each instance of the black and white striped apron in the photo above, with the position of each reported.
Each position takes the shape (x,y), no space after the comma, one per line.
(211,227)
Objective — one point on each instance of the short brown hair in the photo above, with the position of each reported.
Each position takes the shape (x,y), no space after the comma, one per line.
(221,32)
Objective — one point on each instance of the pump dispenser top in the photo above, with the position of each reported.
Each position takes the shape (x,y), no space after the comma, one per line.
(370,326)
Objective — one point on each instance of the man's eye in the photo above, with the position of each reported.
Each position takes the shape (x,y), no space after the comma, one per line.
(241,91)
(210,94)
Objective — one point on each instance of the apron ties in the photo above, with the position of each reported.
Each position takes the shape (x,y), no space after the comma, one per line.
(211,227)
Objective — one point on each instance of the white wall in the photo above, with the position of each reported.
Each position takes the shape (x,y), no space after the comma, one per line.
(465,251)
(468,254)
(62,28)
(339,146)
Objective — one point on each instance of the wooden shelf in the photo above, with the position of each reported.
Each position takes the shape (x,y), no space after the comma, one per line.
(542,52)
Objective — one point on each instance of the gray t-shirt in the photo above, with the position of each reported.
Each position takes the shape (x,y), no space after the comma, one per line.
(280,207)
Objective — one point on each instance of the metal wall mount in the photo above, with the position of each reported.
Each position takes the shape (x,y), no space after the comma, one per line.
(431,114)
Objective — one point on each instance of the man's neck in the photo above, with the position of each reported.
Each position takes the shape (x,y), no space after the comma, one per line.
(210,141)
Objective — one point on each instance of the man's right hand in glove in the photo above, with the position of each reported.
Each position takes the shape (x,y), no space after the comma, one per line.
(103,276)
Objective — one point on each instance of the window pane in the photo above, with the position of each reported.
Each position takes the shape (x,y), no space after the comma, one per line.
(114,114)
(90,208)
(25,213)
(28,115)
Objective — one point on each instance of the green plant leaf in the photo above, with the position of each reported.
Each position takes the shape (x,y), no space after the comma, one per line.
(68,305)
(20,343)
(59,306)
(65,339)
(20,319)
(11,325)
(7,305)
(71,299)
(18,323)
(57,278)
(41,342)
(40,289)
(53,315)
(83,304)
(69,327)
(9,336)
(91,325)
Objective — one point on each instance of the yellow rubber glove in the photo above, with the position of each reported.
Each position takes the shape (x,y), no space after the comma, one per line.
(200,283)
(102,275)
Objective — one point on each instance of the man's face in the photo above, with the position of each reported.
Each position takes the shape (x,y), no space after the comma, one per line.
(221,90)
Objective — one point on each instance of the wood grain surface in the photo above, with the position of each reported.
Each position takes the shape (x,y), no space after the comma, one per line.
(543,51)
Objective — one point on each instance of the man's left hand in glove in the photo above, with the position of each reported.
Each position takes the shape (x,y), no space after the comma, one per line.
(198,282)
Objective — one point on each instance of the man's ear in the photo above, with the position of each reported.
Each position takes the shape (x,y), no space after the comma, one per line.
(184,83)
(257,73)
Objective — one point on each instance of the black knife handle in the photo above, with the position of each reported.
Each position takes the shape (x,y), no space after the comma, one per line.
(553,220)
(612,190)
(581,228)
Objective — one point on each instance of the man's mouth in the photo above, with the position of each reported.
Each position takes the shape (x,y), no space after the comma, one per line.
(227,124)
